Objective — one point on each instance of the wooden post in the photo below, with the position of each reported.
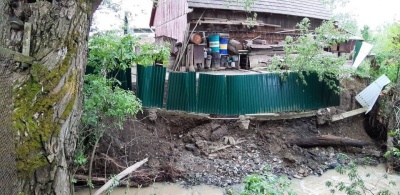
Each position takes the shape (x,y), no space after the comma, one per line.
(190,58)
(26,42)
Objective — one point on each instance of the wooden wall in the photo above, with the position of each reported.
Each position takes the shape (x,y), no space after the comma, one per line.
(170,18)
(241,32)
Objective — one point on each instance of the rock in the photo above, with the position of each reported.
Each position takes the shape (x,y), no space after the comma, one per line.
(152,114)
(289,158)
(215,126)
(301,171)
(219,133)
(243,122)
(297,176)
(212,156)
(200,144)
(190,147)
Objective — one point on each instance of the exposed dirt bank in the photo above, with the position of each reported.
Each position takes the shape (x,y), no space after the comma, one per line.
(218,152)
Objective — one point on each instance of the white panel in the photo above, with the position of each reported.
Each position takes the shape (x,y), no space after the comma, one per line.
(369,95)
(364,51)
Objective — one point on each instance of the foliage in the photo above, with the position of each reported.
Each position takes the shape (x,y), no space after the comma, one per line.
(247,4)
(266,184)
(345,20)
(366,33)
(102,100)
(150,53)
(387,52)
(305,54)
(110,51)
(395,133)
(106,106)
(356,184)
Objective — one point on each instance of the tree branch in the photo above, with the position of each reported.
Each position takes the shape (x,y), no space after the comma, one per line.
(95,5)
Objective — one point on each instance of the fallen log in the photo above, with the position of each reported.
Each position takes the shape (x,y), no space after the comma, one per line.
(328,140)
(121,175)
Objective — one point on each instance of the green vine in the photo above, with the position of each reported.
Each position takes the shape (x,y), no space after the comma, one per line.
(305,54)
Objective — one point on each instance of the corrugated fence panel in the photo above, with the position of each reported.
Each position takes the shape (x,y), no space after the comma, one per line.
(150,81)
(212,97)
(263,93)
(192,91)
(177,92)
(234,94)
(182,93)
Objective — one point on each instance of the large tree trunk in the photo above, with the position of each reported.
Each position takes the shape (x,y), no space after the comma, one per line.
(47,92)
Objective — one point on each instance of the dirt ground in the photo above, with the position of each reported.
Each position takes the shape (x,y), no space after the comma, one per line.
(218,152)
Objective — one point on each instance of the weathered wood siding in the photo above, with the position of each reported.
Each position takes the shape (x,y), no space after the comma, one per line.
(170,18)
(240,32)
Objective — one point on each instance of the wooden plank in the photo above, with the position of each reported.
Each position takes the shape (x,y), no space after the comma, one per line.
(26,41)
(230,22)
(276,116)
(348,114)
(190,58)
(260,42)
(13,55)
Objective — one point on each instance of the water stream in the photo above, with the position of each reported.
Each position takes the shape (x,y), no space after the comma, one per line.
(312,185)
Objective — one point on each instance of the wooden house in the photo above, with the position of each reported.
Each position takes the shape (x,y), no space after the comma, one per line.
(274,21)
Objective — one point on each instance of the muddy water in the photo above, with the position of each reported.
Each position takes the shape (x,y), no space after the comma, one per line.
(312,185)
(165,189)
(316,185)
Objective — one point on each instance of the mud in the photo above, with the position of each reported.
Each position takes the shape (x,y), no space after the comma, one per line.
(219,153)
(313,185)
(196,150)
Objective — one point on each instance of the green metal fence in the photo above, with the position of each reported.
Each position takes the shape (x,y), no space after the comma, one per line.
(248,94)
(182,93)
(150,82)
(233,94)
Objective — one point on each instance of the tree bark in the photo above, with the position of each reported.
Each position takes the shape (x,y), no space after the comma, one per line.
(47,93)
(328,140)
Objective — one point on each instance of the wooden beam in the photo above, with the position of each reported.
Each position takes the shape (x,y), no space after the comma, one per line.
(26,41)
(276,116)
(230,22)
(342,116)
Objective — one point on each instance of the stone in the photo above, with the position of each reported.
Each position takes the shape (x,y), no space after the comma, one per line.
(297,176)
(219,133)
(243,122)
(190,147)
(290,158)
(152,114)
(200,144)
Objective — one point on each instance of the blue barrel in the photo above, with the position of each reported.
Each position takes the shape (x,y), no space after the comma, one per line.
(214,42)
(223,45)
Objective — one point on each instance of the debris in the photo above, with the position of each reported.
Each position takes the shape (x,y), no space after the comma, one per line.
(120,176)
(364,51)
(227,146)
(328,140)
(348,114)
(369,95)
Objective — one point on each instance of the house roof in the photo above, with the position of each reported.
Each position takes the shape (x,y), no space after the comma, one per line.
(304,8)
